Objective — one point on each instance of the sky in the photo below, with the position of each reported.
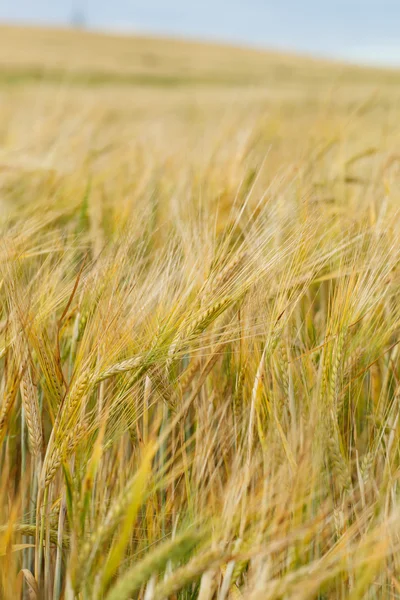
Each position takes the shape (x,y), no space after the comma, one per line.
(365,31)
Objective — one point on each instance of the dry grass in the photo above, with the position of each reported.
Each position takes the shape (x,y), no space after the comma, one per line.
(199,319)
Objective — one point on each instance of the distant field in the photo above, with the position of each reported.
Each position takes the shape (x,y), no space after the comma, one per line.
(199,322)
(103,58)
(75,55)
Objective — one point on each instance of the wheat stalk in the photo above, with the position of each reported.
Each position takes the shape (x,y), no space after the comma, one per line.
(154,562)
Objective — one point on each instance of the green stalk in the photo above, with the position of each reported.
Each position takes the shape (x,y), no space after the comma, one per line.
(33,498)
(39,542)
(162,460)
(47,572)
(58,567)
(25,552)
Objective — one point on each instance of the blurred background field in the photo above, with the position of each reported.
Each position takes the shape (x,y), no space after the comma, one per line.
(86,97)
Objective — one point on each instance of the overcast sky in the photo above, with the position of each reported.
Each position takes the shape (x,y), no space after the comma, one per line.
(358,30)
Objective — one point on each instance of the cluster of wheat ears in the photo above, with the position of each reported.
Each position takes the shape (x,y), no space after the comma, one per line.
(199,361)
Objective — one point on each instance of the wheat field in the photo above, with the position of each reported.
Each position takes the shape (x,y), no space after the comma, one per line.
(199,322)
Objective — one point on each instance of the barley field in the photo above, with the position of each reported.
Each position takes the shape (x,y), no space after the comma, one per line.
(199,322)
